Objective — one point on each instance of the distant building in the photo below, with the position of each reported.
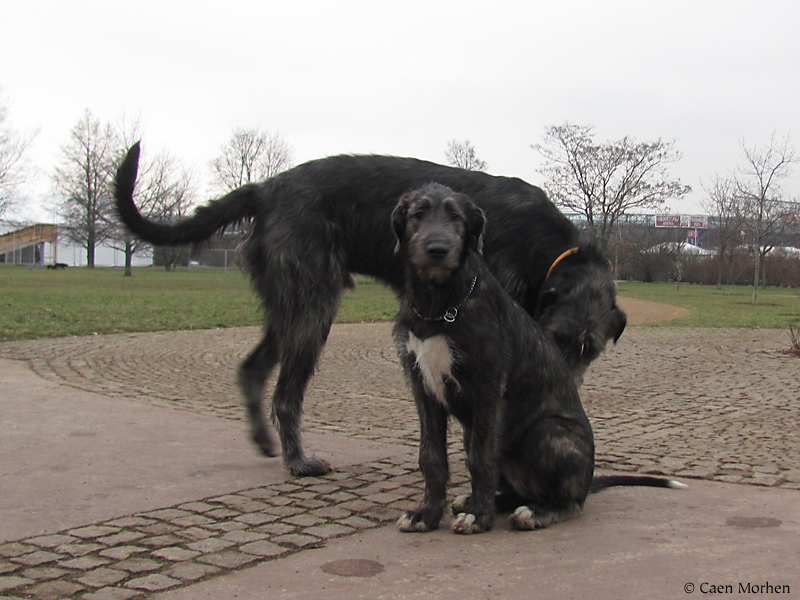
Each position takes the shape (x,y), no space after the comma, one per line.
(18,246)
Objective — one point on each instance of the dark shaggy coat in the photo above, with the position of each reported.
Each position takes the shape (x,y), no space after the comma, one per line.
(469,350)
(311,226)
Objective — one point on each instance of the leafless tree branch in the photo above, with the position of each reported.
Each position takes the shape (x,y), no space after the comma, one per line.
(766,212)
(463,155)
(604,182)
(83,178)
(251,155)
(14,170)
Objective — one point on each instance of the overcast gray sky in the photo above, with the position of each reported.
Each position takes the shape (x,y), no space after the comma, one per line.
(405,77)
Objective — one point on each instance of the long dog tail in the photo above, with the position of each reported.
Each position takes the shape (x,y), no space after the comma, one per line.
(239,205)
(601,482)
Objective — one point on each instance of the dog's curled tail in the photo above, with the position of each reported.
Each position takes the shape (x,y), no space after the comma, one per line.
(601,482)
(235,207)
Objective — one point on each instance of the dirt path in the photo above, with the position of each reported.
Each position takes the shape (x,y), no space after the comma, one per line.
(642,312)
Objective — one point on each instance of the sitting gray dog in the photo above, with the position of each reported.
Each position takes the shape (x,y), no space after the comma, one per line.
(469,350)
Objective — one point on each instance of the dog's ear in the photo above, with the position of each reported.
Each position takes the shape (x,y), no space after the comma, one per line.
(547,298)
(551,293)
(476,225)
(399,215)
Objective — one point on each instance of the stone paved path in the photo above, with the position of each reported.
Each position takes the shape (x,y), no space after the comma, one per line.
(713,404)
(168,548)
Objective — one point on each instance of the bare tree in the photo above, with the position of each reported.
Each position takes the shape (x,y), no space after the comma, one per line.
(165,193)
(129,130)
(463,156)
(251,155)
(722,202)
(13,170)
(604,182)
(171,196)
(83,179)
(767,211)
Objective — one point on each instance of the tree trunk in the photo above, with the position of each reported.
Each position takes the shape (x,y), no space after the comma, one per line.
(90,250)
(756,278)
(128,258)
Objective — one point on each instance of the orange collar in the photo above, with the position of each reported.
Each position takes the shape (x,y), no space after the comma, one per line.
(569,252)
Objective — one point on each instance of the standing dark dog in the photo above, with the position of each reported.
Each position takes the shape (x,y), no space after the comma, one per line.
(470,351)
(315,224)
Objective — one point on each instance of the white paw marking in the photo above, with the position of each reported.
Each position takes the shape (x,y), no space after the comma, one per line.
(465,524)
(522,518)
(405,523)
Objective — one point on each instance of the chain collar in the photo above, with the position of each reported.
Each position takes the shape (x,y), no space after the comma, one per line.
(451,313)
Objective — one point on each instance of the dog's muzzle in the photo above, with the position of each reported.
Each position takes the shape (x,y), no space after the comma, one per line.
(435,260)
(437,251)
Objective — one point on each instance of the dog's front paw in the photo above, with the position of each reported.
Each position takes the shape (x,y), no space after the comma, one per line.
(467,523)
(415,522)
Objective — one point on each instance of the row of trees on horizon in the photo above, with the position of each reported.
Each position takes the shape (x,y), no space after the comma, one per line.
(602,181)
(605,182)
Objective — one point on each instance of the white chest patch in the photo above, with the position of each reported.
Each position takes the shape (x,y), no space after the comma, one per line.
(435,362)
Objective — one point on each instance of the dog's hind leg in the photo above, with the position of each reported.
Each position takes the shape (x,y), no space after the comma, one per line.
(507,499)
(529,517)
(304,329)
(253,374)
(298,270)
(297,368)
(551,473)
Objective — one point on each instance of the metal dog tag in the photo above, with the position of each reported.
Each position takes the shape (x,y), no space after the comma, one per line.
(450,315)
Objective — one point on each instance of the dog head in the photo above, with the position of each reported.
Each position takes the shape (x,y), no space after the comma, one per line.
(577,307)
(435,226)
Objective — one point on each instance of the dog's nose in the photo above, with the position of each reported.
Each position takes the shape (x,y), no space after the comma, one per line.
(437,250)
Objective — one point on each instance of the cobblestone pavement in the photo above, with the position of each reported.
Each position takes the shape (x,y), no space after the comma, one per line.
(163,549)
(713,404)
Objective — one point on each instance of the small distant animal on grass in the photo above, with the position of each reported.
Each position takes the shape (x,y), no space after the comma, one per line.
(469,350)
(313,225)
(57,266)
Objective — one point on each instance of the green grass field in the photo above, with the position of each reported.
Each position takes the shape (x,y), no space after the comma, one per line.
(732,306)
(80,301)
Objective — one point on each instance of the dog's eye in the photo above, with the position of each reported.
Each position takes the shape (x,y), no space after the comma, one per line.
(416,216)
(453,217)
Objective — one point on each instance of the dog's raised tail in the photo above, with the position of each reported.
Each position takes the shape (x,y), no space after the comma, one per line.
(237,206)
(601,482)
